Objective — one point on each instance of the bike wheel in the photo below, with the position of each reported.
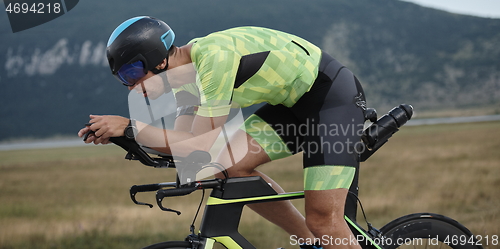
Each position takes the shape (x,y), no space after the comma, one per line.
(426,230)
(171,244)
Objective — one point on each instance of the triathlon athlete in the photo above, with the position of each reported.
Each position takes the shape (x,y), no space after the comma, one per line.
(314,105)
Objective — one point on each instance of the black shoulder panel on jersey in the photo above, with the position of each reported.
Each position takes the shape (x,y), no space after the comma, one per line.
(249,65)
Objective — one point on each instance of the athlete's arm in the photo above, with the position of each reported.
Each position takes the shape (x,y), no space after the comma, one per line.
(181,142)
(184,123)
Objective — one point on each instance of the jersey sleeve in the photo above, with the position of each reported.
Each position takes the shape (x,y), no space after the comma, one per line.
(216,72)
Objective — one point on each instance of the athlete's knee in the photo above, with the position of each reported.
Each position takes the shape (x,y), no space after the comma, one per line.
(325,210)
(240,171)
(321,223)
(243,168)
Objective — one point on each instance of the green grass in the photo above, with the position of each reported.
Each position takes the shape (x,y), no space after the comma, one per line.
(78,197)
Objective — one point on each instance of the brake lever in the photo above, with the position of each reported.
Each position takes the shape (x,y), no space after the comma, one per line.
(162,193)
(136,189)
(147,188)
(168,209)
(160,205)
(132,196)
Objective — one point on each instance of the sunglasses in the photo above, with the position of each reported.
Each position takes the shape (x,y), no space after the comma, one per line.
(130,73)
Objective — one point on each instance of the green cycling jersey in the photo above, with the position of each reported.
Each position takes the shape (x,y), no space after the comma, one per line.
(250,65)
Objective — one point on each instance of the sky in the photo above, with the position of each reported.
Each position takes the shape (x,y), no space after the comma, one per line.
(482,8)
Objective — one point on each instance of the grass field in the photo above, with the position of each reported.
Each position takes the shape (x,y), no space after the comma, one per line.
(78,197)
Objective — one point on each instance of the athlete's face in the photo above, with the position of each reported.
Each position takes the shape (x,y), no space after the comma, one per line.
(151,85)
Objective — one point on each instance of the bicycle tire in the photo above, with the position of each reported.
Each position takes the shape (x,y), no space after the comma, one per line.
(427,230)
(171,244)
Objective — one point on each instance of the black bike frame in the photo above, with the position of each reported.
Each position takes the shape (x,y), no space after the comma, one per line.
(224,208)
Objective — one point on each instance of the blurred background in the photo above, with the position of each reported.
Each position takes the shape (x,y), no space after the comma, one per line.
(443,60)
(54,75)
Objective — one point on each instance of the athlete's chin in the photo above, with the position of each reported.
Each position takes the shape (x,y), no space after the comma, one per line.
(152,96)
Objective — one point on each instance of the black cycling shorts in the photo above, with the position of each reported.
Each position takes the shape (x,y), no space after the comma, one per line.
(325,124)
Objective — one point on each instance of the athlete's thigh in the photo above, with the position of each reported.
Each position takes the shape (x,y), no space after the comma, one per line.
(242,154)
(261,138)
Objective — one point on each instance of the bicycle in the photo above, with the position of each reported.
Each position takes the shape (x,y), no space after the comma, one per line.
(230,195)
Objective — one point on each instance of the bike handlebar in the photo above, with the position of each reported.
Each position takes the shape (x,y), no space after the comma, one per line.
(160,194)
(185,190)
(147,188)
(135,152)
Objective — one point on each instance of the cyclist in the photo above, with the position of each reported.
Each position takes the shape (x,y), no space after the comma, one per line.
(314,105)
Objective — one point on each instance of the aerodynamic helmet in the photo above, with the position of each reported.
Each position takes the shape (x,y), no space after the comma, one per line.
(137,46)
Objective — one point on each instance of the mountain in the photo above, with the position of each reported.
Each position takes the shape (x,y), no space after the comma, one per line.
(54,75)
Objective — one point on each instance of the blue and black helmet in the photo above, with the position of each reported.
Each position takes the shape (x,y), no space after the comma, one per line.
(140,39)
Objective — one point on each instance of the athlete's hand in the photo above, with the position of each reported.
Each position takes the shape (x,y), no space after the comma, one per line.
(104,127)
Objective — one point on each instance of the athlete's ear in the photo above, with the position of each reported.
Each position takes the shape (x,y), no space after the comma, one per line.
(162,65)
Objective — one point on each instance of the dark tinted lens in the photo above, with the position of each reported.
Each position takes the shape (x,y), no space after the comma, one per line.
(129,74)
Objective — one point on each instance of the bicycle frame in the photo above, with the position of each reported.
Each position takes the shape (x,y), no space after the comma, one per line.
(226,204)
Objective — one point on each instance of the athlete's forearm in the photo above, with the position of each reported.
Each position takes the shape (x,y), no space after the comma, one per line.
(175,142)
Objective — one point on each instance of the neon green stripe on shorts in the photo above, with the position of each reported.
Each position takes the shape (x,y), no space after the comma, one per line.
(266,136)
(327,177)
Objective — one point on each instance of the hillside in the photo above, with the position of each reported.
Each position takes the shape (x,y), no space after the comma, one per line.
(55,74)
